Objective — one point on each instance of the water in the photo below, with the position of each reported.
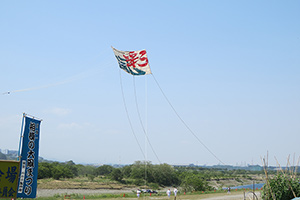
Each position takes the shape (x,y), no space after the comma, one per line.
(257,185)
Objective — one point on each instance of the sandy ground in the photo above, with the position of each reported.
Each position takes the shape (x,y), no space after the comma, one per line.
(48,192)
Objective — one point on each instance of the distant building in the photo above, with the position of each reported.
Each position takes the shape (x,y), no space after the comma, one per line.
(12,152)
(4,151)
(7,151)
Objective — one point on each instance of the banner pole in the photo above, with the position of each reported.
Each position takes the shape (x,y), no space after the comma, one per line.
(18,159)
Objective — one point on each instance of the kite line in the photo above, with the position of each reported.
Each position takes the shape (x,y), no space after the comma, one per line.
(141,122)
(136,63)
(127,114)
(185,124)
(74,78)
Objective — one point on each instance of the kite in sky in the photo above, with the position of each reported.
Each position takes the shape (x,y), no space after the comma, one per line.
(133,62)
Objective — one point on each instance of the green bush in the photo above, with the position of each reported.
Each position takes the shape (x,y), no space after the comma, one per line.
(139,182)
(154,186)
(192,182)
(281,187)
(91,177)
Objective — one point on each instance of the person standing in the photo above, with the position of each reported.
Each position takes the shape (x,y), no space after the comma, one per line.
(175,192)
(228,190)
(138,193)
(169,193)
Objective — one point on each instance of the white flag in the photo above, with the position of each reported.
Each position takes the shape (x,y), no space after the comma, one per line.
(133,62)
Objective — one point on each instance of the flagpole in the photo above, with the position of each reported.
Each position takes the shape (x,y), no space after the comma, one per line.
(18,159)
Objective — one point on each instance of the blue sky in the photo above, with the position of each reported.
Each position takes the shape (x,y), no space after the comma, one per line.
(229,68)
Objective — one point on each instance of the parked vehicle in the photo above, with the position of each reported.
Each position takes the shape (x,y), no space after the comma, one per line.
(149,191)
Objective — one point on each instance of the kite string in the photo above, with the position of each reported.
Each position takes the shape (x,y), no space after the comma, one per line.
(127,114)
(132,130)
(141,122)
(74,78)
(145,132)
(190,130)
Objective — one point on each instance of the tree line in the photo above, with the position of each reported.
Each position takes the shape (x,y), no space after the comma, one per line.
(141,172)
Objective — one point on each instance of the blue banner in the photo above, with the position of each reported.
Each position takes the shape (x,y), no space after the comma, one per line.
(29,159)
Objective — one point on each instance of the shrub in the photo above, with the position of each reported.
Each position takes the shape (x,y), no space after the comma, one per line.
(281,187)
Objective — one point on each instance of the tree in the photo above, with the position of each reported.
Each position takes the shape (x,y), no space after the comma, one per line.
(126,171)
(104,170)
(86,170)
(192,182)
(57,171)
(116,174)
(44,170)
(91,177)
(165,174)
(70,166)
(162,174)
(138,170)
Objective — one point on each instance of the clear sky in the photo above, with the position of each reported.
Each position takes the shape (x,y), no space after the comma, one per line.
(231,70)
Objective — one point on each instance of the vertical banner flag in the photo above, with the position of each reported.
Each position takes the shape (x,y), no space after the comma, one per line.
(29,159)
(133,62)
(9,174)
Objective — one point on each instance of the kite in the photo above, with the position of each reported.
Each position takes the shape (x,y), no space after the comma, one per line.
(133,62)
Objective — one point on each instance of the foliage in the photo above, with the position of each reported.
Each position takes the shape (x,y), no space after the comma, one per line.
(57,170)
(126,171)
(116,175)
(154,186)
(103,170)
(85,170)
(140,173)
(163,174)
(281,187)
(194,182)
(138,182)
(91,177)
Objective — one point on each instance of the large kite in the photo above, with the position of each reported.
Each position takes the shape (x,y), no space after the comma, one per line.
(133,62)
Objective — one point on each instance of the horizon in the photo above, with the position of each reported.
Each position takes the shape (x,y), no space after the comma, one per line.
(242,165)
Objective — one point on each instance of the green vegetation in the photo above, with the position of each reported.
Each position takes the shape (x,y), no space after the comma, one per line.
(281,187)
(139,174)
